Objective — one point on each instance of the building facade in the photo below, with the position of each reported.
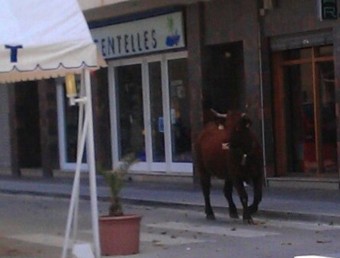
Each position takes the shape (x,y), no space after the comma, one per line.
(170,60)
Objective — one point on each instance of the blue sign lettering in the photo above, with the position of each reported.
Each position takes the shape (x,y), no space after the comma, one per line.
(149,35)
(127,43)
(13,52)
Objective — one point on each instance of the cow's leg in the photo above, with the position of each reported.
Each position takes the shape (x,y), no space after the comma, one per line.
(257,184)
(205,184)
(228,193)
(244,200)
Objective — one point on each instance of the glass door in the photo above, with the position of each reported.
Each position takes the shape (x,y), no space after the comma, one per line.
(308,128)
(179,112)
(68,130)
(150,114)
(299,116)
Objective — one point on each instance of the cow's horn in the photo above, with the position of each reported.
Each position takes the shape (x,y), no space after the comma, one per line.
(218,114)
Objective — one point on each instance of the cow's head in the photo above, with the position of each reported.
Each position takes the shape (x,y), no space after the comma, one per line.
(238,121)
(245,122)
(241,139)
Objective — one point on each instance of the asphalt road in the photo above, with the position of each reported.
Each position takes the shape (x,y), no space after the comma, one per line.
(34,227)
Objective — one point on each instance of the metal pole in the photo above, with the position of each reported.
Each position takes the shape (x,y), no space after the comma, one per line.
(259,39)
(75,189)
(91,163)
(85,135)
(81,114)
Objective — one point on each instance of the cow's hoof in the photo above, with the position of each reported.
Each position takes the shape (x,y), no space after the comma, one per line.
(233,215)
(248,221)
(252,209)
(210,217)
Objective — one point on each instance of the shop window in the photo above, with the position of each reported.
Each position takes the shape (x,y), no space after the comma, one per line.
(324,51)
(297,54)
(308,126)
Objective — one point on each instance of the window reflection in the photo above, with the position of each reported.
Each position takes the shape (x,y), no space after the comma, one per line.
(156,108)
(130,111)
(180,116)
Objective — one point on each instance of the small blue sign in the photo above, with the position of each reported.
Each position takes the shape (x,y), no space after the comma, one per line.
(160,124)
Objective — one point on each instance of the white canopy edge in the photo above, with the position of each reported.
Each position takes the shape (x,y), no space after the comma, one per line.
(44,39)
(37,66)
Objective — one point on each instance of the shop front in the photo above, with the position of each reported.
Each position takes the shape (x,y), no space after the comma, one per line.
(305,104)
(148,91)
(167,63)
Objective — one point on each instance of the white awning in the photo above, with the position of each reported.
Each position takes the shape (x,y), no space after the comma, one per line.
(43,39)
(50,38)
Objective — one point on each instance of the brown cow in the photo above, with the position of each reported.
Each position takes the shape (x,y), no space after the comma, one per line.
(230,151)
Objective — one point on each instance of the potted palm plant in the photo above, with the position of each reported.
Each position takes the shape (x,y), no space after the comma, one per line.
(119,232)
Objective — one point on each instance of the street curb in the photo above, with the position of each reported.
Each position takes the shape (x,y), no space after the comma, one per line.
(262,213)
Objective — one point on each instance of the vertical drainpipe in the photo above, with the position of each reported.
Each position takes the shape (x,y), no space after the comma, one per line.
(336,53)
(260,15)
(195,44)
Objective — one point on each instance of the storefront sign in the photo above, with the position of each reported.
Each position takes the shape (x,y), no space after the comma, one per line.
(328,9)
(149,35)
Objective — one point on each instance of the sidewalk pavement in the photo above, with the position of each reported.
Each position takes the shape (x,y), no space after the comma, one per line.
(278,202)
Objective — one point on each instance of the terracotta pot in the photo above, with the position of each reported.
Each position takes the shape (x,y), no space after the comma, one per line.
(119,235)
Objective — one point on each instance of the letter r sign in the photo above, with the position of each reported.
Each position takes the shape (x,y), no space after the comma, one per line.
(328,10)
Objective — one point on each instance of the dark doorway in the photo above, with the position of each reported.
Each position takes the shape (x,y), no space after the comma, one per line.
(224,76)
(27,121)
